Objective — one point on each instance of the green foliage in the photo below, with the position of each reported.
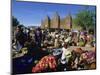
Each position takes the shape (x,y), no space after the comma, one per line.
(74,25)
(85,19)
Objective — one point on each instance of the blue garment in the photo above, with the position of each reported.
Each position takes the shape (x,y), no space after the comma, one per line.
(18,46)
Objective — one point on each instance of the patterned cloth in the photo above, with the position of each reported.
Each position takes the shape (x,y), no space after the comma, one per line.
(46,62)
(89,56)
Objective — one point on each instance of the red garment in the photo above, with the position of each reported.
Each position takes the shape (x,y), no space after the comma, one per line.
(46,62)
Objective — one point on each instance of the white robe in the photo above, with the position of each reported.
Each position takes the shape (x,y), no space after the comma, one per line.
(66,54)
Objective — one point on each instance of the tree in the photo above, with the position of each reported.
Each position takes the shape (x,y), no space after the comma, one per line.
(15,22)
(86,19)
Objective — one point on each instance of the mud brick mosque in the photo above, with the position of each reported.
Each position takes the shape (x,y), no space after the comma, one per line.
(56,22)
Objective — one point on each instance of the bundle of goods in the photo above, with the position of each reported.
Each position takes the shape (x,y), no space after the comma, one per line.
(47,62)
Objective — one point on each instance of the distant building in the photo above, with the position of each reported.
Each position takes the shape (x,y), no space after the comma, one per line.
(56,22)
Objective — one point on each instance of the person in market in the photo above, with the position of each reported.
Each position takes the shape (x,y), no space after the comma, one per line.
(38,37)
(66,55)
(20,38)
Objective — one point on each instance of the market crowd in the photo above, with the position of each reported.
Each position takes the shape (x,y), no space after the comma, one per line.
(44,50)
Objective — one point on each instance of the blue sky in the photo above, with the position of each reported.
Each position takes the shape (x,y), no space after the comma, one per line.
(31,13)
